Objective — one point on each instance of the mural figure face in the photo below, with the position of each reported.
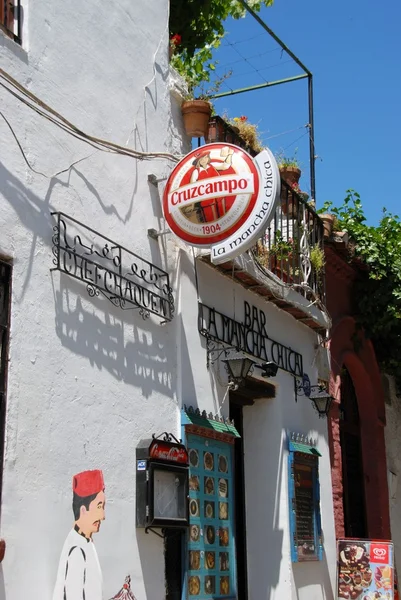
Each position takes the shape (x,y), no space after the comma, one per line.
(90,518)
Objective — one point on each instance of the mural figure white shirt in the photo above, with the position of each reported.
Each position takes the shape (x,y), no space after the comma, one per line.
(79,576)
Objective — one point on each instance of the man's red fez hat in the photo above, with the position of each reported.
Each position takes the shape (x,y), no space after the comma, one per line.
(88,483)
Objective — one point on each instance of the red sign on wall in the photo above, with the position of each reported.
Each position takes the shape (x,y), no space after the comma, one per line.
(168,451)
(219,197)
(379,553)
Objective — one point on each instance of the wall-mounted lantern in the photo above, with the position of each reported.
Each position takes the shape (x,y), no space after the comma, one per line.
(239,366)
(162,476)
(318,394)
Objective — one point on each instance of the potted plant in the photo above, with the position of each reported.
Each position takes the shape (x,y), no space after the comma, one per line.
(290,200)
(220,130)
(317,259)
(248,132)
(196,108)
(282,248)
(328,223)
(196,115)
(289,169)
(281,253)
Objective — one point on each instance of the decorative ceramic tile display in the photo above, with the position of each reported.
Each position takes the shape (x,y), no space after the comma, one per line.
(211,551)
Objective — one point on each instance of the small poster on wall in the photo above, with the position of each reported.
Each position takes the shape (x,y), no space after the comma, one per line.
(365,570)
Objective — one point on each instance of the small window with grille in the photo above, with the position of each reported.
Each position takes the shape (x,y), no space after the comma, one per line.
(10,19)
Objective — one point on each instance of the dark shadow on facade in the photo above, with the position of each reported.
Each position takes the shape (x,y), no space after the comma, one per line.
(121,343)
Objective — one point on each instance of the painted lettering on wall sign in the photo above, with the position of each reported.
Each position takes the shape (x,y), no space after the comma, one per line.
(123,277)
(249,336)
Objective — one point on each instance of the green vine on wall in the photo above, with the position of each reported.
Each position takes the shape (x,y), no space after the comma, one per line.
(378,292)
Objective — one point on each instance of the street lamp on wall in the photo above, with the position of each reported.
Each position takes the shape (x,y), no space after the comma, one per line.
(317,394)
(322,402)
(240,366)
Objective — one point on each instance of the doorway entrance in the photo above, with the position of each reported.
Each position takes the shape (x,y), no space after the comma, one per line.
(244,396)
(355,521)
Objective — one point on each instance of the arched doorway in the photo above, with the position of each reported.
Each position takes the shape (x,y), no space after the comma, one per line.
(355,521)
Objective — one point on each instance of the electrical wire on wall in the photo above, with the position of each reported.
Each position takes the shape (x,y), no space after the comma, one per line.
(41,108)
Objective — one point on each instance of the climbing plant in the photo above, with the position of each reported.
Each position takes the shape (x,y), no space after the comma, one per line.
(377,294)
(200,22)
(196,28)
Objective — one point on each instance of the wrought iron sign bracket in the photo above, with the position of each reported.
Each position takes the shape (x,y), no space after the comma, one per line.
(317,394)
(127,280)
(303,387)
(154,180)
(166,437)
(154,234)
(215,349)
(160,535)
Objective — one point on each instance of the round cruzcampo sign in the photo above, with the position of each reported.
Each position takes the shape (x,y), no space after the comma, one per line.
(221,198)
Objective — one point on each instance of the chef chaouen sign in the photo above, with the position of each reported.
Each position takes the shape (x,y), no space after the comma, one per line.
(123,277)
(221,198)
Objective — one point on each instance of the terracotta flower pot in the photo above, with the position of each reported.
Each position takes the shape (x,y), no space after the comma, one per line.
(216,130)
(289,203)
(328,222)
(196,114)
(290,174)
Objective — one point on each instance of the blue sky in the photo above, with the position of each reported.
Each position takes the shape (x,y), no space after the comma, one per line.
(353,49)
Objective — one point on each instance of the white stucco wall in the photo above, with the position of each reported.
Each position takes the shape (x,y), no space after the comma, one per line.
(266,424)
(86,380)
(392,434)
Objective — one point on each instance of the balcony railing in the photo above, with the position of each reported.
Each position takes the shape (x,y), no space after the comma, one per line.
(10,19)
(292,247)
(221,131)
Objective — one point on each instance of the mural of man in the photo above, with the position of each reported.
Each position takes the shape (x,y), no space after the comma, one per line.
(79,576)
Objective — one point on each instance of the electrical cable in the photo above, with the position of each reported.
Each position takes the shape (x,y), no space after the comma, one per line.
(247,39)
(49,113)
(234,62)
(286,132)
(258,71)
(27,161)
(294,142)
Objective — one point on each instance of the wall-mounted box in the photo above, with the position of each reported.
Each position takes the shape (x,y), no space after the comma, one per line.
(162,476)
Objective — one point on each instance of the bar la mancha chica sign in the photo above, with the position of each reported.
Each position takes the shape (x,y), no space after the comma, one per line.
(249,336)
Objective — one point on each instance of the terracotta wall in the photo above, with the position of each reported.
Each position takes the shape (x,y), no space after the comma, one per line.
(356,353)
